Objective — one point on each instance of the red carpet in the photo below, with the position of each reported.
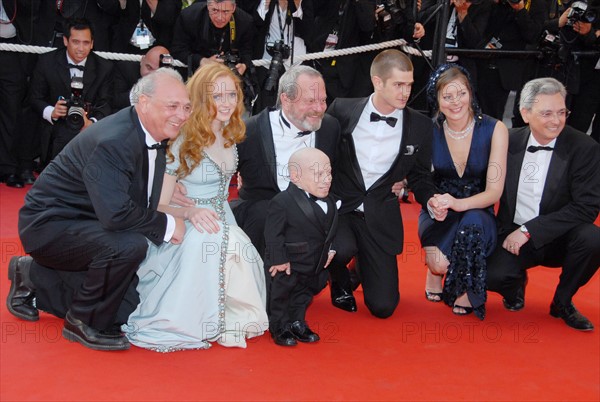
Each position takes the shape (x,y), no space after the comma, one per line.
(422,352)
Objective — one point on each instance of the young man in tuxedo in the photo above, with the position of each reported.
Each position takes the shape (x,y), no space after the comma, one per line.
(54,85)
(550,201)
(300,227)
(382,142)
(88,218)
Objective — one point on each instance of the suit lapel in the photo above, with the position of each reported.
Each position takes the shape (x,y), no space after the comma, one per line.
(89,74)
(353,117)
(305,205)
(268,146)
(516,153)
(557,168)
(63,69)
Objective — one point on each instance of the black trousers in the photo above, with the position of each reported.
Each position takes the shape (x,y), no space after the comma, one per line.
(290,296)
(378,269)
(251,217)
(13,89)
(577,251)
(492,95)
(83,268)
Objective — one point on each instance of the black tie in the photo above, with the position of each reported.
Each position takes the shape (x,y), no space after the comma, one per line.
(389,120)
(80,68)
(315,198)
(303,133)
(158,145)
(533,148)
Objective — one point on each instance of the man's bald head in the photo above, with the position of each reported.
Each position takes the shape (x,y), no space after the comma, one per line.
(310,170)
(151,60)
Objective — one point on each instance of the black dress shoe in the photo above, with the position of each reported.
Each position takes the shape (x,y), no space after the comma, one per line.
(27,176)
(76,331)
(517,303)
(303,333)
(20,300)
(570,316)
(343,299)
(284,338)
(12,180)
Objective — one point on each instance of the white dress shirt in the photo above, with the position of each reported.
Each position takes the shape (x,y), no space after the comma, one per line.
(286,141)
(532,179)
(377,144)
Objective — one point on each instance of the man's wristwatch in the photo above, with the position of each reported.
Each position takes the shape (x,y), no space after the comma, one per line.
(524,230)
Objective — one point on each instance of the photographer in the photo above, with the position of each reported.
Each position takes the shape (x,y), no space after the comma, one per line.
(282,27)
(70,88)
(571,28)
(215,31)
(513,25)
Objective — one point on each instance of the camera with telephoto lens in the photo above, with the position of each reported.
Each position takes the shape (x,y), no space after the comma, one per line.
(579,13)
(76,107)
(166,60)
(390,14)
(279,51)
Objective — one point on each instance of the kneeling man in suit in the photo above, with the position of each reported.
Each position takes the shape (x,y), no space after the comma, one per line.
(550,201)
(88,218)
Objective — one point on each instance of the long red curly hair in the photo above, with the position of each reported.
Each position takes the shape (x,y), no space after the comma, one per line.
(197,131)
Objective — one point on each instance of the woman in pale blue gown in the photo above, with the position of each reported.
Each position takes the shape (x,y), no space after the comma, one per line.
(211,287)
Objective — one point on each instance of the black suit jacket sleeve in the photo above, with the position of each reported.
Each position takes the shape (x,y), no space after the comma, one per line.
(275,226)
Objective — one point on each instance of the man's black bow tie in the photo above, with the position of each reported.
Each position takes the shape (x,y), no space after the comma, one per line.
(389,120)
(533,148)
(158,145)
(303,133)
(80,68)
(315,198)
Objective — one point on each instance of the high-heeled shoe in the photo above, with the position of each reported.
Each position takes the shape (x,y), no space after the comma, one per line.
(468,310)
(431,296)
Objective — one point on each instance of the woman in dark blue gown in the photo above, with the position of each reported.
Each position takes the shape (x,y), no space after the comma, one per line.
(469,161)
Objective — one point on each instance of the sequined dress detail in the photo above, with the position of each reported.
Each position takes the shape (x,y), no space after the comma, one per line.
(209,288)
(465,238)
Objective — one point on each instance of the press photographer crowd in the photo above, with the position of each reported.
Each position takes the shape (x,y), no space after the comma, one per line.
(93,138)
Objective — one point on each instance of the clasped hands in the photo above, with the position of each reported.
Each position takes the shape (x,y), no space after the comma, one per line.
(439,205)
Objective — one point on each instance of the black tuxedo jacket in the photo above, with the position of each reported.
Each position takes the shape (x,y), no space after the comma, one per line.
(196,36)
(302,27)
(52,78)
(101,175)
(256,154)
(571,193)
(382,212)
(160,24)
(25,12)
(296,232)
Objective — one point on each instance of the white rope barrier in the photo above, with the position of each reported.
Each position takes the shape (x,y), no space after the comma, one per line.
(11,47)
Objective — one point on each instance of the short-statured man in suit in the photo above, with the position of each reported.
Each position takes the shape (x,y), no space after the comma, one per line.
(52,87)
(300,227)
(272,136)
(382,142)
(88,218)
(550,202)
